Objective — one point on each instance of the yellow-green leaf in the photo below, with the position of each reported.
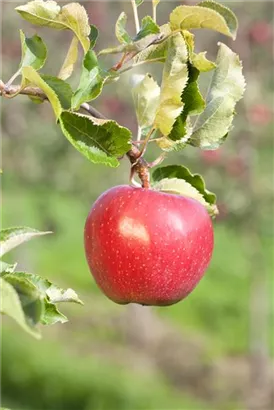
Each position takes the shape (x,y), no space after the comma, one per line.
(146,96)
(226,89)
(34,78)
(70,60)
(175,76)
(195,17)
(34,51)
(120,29)
(72,16)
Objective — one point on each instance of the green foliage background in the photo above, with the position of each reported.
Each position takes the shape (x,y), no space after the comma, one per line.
(91,363)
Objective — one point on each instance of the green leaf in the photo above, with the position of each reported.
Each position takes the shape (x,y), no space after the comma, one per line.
(93,35)
(148,26)
(193,104)
(155,51)
(34,51)
(61,88)
(146,96)
(226,89)
(175,76)
(196,181)
(12,237)
(139,2)
(72,16)
(34,78)
(11,306)
(49,294)
(101,141)
(6,268)
(219,18)
(225,12)
(70,60)
(29,296)
(120,29)
(52,315)
(91,81)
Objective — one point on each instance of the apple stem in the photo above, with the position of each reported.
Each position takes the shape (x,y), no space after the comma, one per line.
(139,166)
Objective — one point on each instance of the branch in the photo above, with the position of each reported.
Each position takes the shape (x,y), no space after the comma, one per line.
(138,164)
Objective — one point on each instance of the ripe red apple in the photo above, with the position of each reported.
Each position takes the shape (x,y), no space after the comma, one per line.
(147,247)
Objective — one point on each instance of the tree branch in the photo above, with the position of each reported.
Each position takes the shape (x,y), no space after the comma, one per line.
(138,164)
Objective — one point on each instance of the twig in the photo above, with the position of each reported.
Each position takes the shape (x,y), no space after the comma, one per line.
(138,164)
(135,14)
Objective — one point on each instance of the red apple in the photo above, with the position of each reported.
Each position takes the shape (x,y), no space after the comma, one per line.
(147,247)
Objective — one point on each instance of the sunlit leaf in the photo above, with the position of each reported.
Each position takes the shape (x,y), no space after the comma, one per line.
(91,81)
(120,29)
(146,98)
(70,60)
(195,188)
(175,76)
(101,141)
(226,89)
(61,88)
(225,12)
(34,51)
(34,78)
(155,51)
(10,238)
(148,26)
(219,18)
(6,268)
(72,16)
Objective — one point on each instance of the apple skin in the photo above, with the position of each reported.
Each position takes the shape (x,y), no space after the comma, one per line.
(147,247)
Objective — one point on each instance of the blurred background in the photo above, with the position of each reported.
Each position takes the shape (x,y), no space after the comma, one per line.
(213,350)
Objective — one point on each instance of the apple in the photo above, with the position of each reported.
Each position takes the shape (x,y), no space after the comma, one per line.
(147,247)
(261,32)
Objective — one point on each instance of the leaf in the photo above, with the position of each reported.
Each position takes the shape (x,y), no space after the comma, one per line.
(177,139)
(70,60)
(225,12)
(101,141)
(34,51)
(174,80)
(12,237)
(226,89)
(148,26)
(61,88)
(120,29)
(193,104)
(219,18)
(146,96)
(154,51)
(91,81)
(11,306)
(180,172)
(29,296)
(48,292)
(34,78)
(57,295)
(72,16)
(93,35)
(52,315)
(200,62)
(139,2)
(6,268)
